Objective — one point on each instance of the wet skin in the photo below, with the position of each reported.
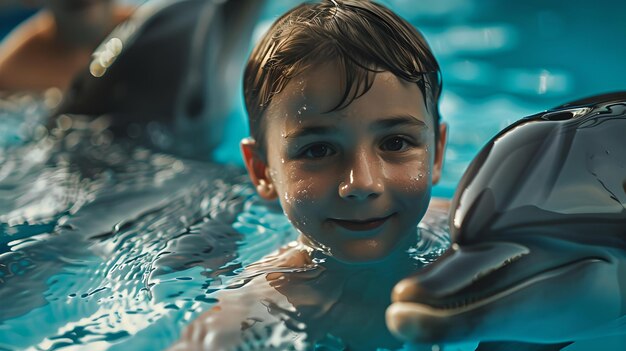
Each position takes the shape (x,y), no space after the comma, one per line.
(296,288)
(356,181)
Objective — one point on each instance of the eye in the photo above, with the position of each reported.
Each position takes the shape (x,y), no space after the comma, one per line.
(395,143)
(317,151)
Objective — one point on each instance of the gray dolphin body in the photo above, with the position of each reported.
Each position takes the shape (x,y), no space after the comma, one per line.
(539,237)
(177,63)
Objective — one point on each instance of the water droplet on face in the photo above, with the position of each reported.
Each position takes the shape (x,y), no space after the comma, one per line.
(273,174)
(300,110)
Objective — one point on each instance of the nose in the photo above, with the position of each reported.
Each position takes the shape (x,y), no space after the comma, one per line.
(364,180)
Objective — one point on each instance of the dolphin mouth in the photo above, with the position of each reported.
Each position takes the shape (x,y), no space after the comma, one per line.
(471,298)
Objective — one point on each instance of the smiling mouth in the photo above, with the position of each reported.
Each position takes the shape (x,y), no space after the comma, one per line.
(361,225)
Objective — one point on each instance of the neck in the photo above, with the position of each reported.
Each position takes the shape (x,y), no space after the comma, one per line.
(394,266)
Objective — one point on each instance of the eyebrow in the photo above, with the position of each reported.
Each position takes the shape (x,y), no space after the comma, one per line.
(398,121)
(386,123)
(312,130)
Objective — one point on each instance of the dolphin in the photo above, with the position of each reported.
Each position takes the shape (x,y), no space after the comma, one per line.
(538,230)
(176,63)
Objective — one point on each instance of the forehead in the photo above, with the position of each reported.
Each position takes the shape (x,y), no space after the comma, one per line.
(315,92)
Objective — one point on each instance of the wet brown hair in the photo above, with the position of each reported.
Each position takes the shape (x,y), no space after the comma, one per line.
(361,36)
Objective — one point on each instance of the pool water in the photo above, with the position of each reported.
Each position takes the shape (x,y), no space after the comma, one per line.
(106,244)
(109,245)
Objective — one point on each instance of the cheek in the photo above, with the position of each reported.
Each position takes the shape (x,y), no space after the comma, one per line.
(301,194)
(411,191)
(412,178)
(305,186)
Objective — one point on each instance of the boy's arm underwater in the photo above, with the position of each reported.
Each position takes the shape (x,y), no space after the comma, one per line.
(254,311)
(241,317)
(260,312)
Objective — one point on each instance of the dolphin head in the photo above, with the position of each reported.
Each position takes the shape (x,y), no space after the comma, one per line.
(173,66)
(538,226)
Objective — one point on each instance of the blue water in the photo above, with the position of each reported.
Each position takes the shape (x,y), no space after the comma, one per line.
(108,245)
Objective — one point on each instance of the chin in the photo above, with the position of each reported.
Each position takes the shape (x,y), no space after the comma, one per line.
(363,251)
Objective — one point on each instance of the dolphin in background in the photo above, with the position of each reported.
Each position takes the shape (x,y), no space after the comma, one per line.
(176,63)
(538,226)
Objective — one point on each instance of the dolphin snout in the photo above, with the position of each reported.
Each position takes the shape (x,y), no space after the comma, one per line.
(408,289)
(454,271)
(425,306)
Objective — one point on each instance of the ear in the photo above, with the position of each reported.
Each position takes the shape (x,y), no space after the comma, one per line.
(439,152)
(257,169)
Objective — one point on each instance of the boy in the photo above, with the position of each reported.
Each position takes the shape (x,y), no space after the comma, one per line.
(342,102)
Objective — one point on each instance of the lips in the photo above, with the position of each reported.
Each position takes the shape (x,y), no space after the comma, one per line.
(361,225)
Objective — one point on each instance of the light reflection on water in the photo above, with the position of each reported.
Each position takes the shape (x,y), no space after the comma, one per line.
(88,229)
(103,242)
(114,246)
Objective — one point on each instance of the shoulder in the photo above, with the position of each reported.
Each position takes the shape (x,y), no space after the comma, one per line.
(252,311)
(249,313)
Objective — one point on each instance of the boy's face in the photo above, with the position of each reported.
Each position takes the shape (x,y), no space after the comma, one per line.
(354,181)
